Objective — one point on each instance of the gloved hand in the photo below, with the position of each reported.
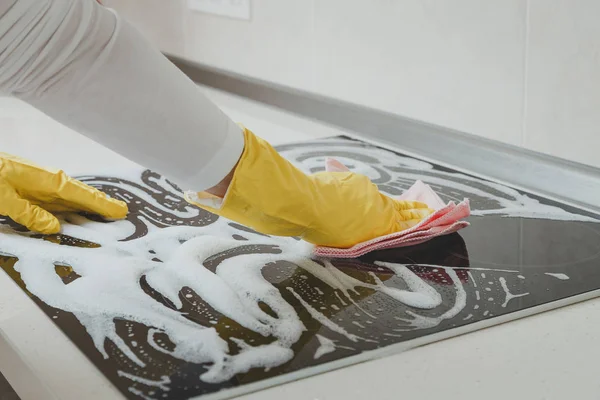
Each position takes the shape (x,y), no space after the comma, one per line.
(29,193)
(335,209)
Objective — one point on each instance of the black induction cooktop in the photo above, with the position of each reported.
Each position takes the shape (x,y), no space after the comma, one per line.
(521,255)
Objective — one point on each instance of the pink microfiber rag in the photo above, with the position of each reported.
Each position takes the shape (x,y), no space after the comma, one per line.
(445,220)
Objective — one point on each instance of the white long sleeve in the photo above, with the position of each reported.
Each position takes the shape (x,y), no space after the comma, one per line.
(86,67)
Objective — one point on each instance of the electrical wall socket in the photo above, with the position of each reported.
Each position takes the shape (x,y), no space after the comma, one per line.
(238,9)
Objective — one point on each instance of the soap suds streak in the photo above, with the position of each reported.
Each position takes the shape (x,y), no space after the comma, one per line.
(162,384)
(324,320)
(420,321)
(392,335)
(560,276)
(140,393)
(325,346)
(340,299)
(472,279)
(508,295)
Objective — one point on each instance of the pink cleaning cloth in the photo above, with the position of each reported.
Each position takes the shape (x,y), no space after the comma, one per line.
(446,219)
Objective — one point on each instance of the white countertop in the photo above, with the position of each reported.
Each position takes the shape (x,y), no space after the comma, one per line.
(549,356)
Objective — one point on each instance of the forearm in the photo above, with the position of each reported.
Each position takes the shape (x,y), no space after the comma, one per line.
(90,70)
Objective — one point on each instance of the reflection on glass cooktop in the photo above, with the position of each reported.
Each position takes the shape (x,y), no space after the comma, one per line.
(175,303)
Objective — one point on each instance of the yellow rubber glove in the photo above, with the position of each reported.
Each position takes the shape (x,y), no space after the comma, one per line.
(29,193)
(336,209)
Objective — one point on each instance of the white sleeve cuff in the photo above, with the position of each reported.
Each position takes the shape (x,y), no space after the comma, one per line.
(222,162)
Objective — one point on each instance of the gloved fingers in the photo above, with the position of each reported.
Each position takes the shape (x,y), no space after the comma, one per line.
(23,212)
(409,205)
(76,195)
(58,208)
(32,181)
(414,214)
(49,187)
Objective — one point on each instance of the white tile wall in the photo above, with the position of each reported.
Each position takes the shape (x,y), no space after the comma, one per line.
(452,63)
(563,80)
(276,45)
(523,72)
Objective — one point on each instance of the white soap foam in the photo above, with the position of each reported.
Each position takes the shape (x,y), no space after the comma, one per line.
(325,346)
(508,294)
(139,393)
(108,289)
(426,322)
(163,384)
(392,335)
(562,277)
(323,319)
(472,278)
(421,295)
